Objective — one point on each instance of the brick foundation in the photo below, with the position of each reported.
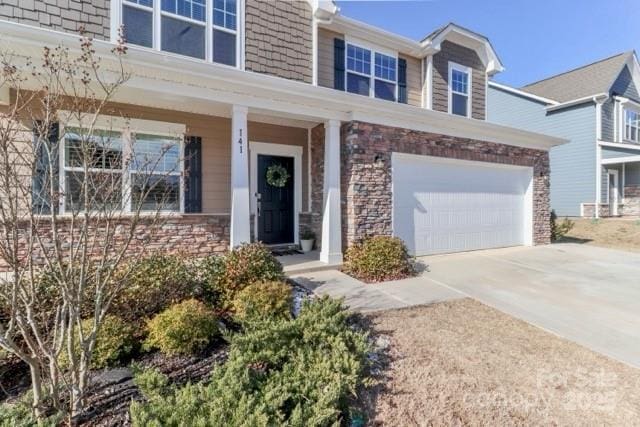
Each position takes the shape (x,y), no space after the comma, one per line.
(366,173)
(193,235)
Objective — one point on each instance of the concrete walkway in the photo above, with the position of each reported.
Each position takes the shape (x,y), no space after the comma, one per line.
(587,294)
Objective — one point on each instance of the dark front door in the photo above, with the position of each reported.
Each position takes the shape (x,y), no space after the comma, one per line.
(275,217)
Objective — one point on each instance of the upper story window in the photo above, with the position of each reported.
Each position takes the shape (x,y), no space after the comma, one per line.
(631,125)
(459,90)
(382,83)
(185,27)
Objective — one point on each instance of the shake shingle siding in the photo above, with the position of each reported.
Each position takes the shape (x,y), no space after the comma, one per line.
(452,52)
(278,39)
(573,165)
(61,15)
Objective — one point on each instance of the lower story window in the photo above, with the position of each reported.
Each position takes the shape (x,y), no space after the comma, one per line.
(97,175)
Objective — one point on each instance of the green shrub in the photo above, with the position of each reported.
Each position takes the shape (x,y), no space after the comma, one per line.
(114,342)
(244,265)
(263,300)
(153,284)
(184,328)
(377,259)
(209,271)
(297,372)
(558,231)
(20,414)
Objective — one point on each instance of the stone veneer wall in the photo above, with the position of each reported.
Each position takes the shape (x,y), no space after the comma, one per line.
(366,173)
(279,38)
(194,235)
(314,218)
(61,15)
(631,205)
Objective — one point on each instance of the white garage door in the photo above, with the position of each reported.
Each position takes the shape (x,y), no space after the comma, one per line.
(444,205)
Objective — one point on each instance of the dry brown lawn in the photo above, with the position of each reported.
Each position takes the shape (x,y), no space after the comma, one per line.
(611,233)
(463,363)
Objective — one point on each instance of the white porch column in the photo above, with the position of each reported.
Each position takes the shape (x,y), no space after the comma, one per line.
(240,211)
(331,251)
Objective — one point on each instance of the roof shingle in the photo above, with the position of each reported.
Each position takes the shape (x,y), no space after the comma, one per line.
(587,80)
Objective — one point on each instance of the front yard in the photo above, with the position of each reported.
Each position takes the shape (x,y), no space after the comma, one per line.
(463,363)
(610,233)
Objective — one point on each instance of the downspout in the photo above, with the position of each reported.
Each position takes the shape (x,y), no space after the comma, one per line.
(599,100)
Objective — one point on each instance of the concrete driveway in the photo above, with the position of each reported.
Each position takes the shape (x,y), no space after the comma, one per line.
(587,294)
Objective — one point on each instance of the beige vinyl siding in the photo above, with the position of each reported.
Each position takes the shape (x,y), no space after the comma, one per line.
(468,58)
(216,148)
(325,56)
(414,78)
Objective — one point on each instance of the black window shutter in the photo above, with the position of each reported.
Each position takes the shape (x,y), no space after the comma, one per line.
(41,187)
(338,64)
(193,174)
(402,81)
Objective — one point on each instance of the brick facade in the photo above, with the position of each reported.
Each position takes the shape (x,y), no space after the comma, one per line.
(631,205)
(317,182)
(468,58)
(194,235)
(278,39)
(61,15)
(366,173)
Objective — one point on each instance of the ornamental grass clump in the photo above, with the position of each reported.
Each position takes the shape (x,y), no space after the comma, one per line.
(296,372)
(184,328)
(378,259)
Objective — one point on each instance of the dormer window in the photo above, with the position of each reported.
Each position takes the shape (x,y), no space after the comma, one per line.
(381,83)
(459,90)
(631,125)
(204,29)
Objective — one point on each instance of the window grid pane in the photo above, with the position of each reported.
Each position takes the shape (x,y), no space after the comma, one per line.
(632,125)
(459,82)
(385,67)
(147,3)
(193,9)
(358,59)
(224,14)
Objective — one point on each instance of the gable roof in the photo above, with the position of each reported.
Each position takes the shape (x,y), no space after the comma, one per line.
(591,79)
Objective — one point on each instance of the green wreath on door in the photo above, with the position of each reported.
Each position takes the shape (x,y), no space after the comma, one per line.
(277,176)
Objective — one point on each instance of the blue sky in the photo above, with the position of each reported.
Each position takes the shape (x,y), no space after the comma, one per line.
(534,38)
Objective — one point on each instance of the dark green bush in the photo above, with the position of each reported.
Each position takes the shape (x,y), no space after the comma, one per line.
(244,265)
(297,372)
(153,284)
(558,231)
(263,300)
(377,259)
(184,328)
(114,342)
(20,414)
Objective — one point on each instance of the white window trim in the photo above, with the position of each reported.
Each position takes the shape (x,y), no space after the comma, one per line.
(628,107)
(372,77)
(158,13)
(127,128)
(468,71)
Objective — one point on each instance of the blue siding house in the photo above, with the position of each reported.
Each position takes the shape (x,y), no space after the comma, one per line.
(597,108)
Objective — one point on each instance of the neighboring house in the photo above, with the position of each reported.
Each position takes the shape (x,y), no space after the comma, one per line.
(382,135)
(597,108)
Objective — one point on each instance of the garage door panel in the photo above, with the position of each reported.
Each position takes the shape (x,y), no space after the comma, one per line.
(449,207)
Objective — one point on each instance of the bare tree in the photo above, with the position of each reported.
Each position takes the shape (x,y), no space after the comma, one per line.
(76,192)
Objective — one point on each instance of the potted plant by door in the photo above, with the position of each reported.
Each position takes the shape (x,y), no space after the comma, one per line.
(306,240)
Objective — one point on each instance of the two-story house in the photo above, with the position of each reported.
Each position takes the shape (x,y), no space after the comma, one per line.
(597,108)
(380,134)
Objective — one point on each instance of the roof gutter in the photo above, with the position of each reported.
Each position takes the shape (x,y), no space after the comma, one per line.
(522,93)
(597,98)
(175,78)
